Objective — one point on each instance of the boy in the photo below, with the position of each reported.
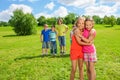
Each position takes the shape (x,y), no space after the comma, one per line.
(44,37)
(53,44)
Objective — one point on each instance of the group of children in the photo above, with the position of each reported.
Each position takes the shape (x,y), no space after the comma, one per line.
(82,48)
(82,45)
(48,38)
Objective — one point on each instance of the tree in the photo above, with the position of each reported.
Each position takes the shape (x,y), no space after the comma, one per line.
(2,23)
(112,20)
(97,19)
(24,24)
(118,21)
(51,21)
(106,20)
(41,21)
(70,18)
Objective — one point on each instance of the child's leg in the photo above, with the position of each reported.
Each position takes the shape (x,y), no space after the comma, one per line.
(51,47)
(73,70)
(64,44)
(55,47)
(80,65)
(92,71)
(47,47)
(43,48)
(88,71)
(60,43)
(43,51)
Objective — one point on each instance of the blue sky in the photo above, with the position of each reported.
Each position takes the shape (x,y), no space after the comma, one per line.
(51,8)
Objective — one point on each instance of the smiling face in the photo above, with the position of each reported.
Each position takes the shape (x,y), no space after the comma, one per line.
(88,25)
(80,24)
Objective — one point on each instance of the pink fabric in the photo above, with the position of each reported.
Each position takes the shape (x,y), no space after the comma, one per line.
(90,48)
(90,57)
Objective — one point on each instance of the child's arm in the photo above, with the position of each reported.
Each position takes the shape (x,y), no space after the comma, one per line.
(41,37)
(66,29)
(81,42)
(92,35)
(90,38)
(79,39)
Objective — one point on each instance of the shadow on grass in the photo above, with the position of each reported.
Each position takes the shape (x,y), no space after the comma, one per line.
(10,35)
(117,29)
(42,56)
(108,26)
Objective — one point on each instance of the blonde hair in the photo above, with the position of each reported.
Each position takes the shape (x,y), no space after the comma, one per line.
(79,18)
(90,19)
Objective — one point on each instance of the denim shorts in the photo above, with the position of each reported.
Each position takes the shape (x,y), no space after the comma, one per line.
(46,45)
(62,40)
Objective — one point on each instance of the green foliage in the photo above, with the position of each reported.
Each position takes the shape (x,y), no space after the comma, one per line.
(109,20)
(70,18)
(41,21)
(97,19)
(118,21)
(112,20)
(24,24)
(51,21)
(5,24)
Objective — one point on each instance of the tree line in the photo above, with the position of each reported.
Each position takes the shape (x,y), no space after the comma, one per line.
(70,19)
(24,24)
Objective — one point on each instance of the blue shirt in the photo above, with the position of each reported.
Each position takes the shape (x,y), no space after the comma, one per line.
(52,35)
(45,34)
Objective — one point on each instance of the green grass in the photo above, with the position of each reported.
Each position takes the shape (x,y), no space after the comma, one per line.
(20,57)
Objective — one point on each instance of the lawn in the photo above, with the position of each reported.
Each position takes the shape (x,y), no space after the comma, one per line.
(20,57)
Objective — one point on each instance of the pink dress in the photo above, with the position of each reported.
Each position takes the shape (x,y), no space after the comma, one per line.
(89,51)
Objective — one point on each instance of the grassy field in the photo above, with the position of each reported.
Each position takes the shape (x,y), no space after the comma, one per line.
(20,57)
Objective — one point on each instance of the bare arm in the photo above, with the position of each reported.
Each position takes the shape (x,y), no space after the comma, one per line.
(81,42)
(41,37)
(90,38)
(79,39)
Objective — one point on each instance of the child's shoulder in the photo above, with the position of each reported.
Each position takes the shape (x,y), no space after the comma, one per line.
(93,31)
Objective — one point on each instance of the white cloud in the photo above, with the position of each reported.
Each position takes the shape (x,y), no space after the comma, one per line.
(101,10)
(5,14)
(60,12)
(50,6)
(25,0)
(105,1)
(33,0)
(42,14)
(77,3)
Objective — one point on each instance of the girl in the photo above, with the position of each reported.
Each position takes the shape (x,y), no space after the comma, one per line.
(76,54)
(89,51)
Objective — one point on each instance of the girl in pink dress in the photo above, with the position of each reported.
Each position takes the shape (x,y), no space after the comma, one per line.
(89,51)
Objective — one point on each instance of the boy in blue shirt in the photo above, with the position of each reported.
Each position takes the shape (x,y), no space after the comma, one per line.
(53,44)
(44,37)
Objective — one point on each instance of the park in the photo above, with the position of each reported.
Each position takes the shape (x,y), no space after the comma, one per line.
(21,49)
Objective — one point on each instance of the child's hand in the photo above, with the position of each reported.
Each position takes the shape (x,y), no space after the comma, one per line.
(64,32)
(41,41)
(90,43)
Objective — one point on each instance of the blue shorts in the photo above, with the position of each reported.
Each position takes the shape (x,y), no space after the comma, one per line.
(62,40)
(46,45)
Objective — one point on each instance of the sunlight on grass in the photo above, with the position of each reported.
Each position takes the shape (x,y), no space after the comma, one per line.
(20,57)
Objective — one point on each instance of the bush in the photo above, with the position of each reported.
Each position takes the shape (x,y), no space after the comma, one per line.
(24,24)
